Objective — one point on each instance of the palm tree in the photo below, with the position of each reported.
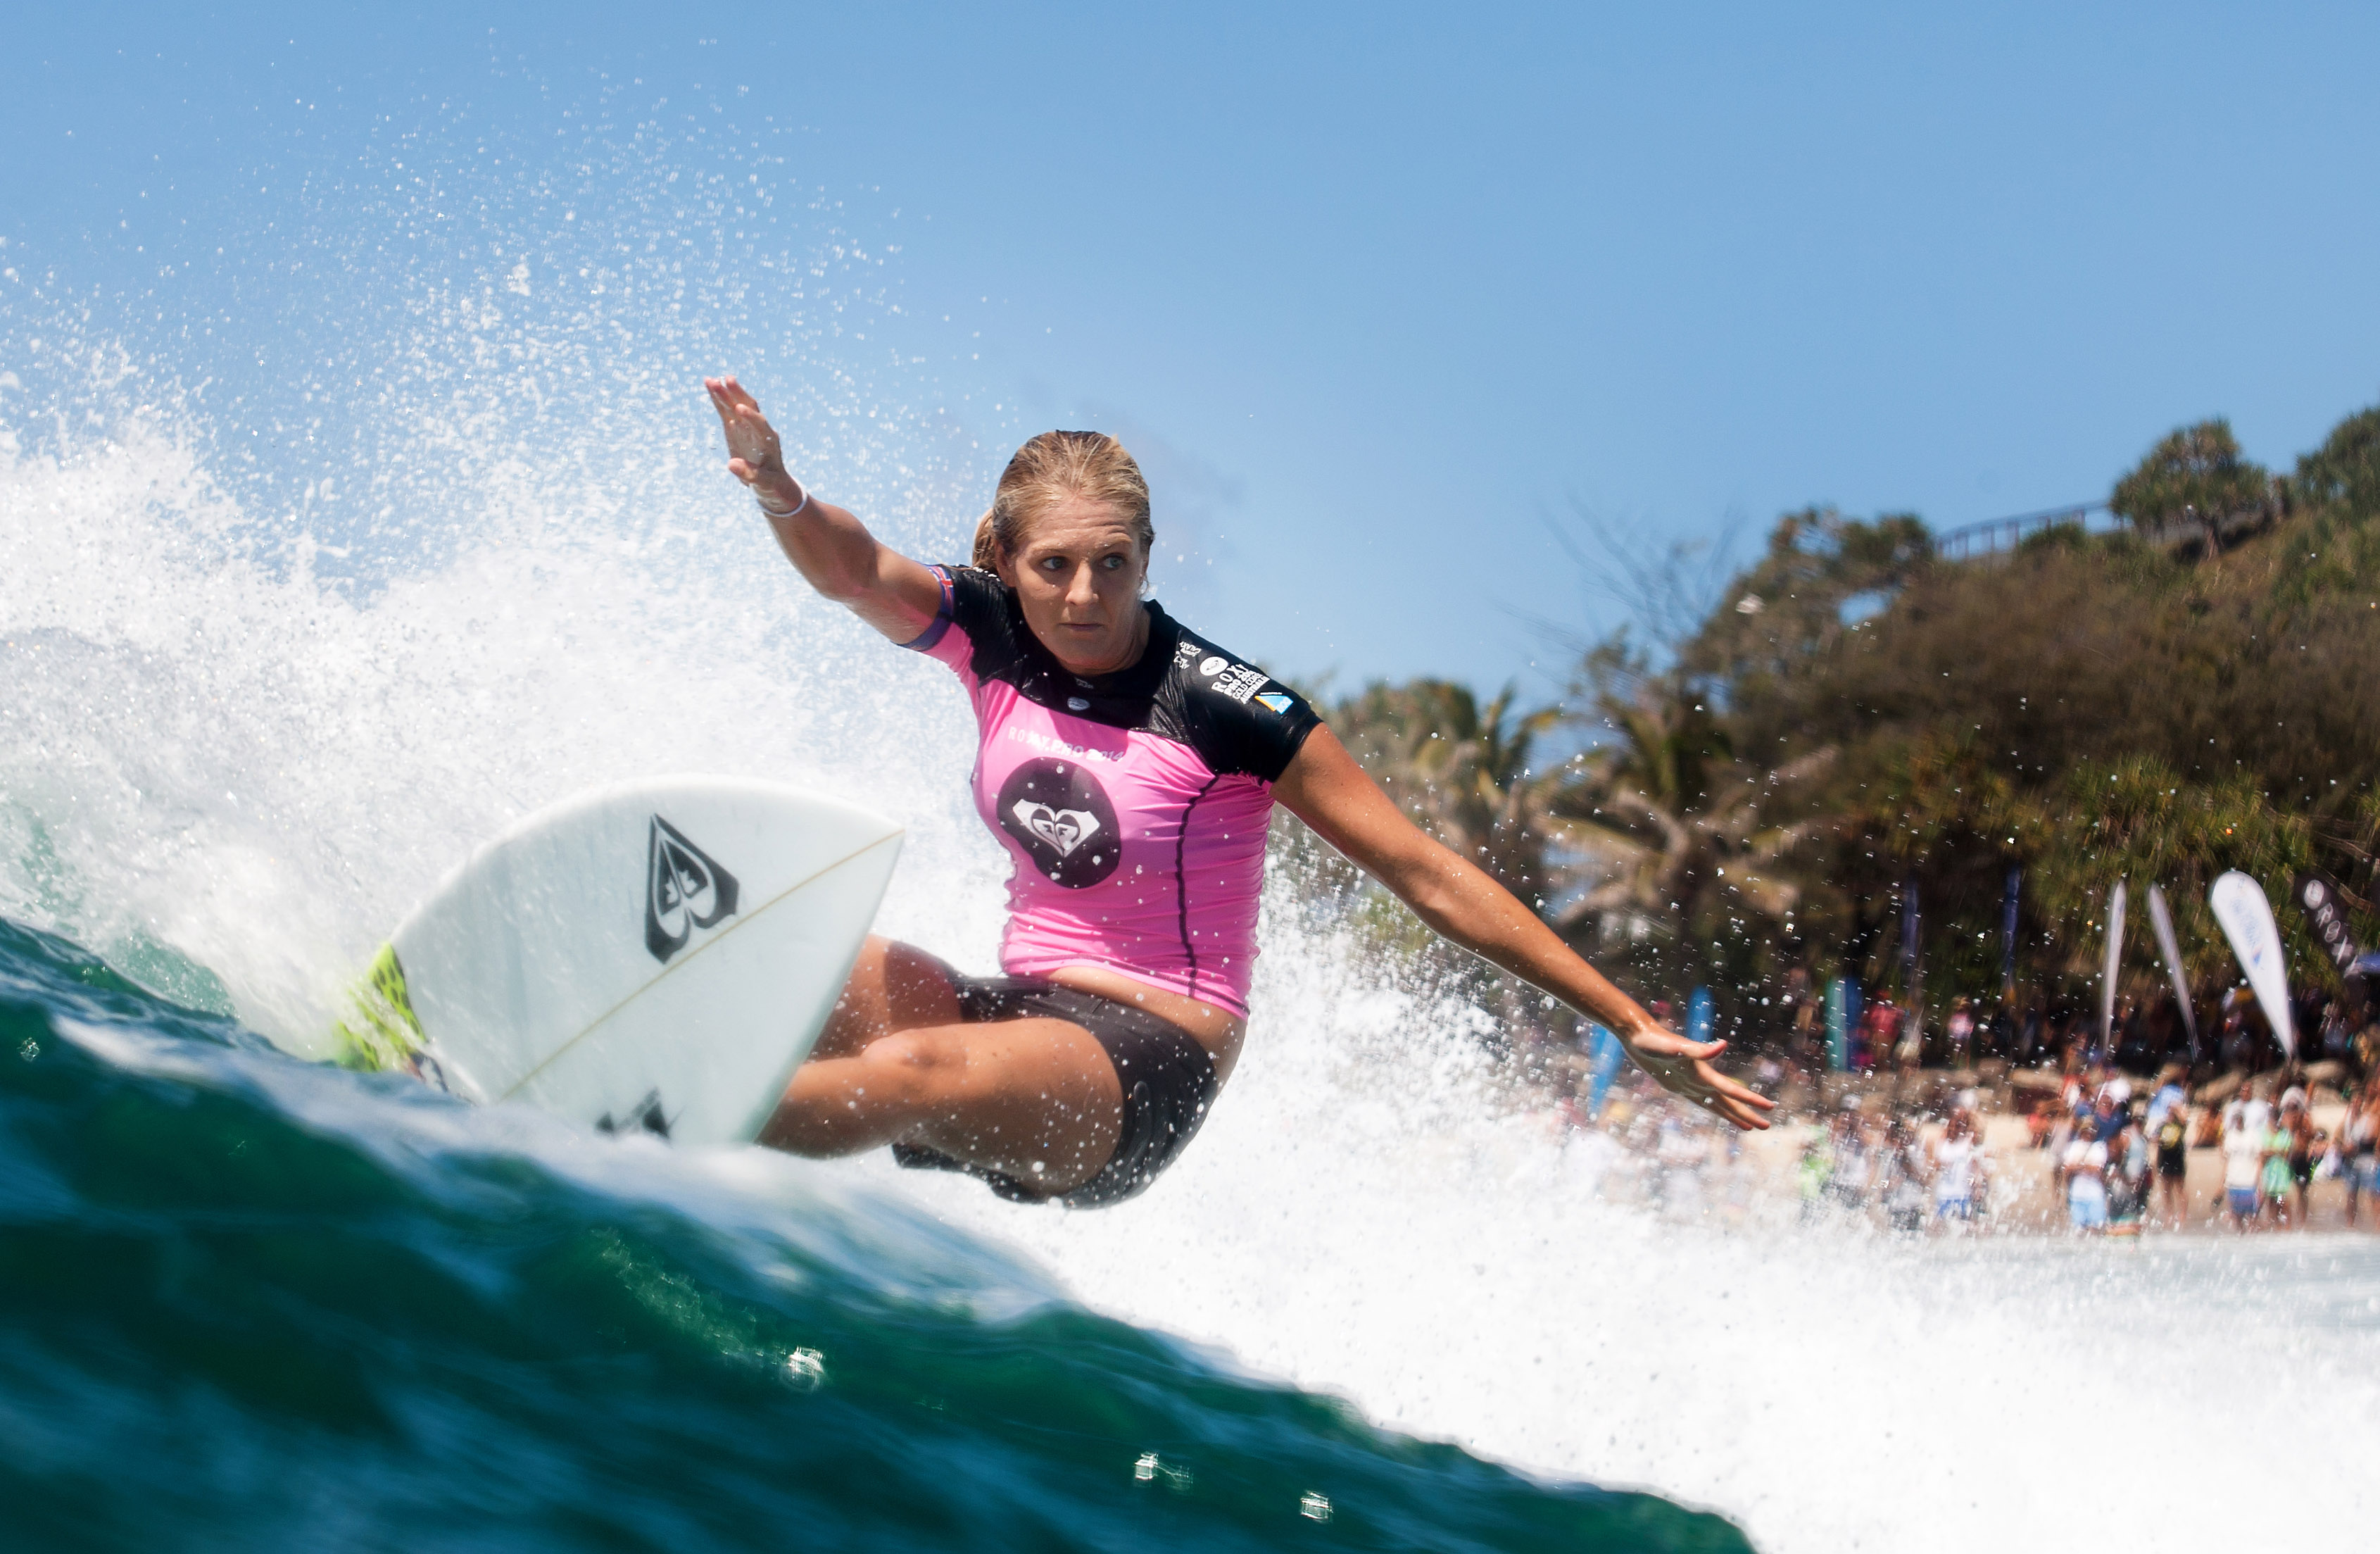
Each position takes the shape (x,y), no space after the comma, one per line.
(1669,824)
(1463,772)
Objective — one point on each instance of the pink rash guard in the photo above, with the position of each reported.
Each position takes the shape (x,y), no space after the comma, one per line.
(1135,804)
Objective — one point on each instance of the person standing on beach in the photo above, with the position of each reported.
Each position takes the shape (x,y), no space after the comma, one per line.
(2170,1095)
(2243,1159)
(2085,1168)
(2363,1052)
(2173,1164)
(2297,1121)
(1905,1172)
(1854,1164)
(2275,1183)
(1961,1031)
(1815,1169)
(2128,1179)
(1879,1032)
(1954,1174)
(2360,1147)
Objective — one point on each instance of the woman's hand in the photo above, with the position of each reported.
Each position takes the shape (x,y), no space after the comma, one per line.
(828,545)
(754,455)
(1683,1068)
(1324,787)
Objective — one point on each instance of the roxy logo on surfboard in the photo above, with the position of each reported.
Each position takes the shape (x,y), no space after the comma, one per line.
(684,890)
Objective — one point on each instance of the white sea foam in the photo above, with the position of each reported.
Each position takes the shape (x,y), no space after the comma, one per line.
(254,730)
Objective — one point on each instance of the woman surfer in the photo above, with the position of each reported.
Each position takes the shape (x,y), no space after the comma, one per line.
(1130,768)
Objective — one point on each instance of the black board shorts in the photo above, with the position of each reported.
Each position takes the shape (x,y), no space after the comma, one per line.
(1168,1078)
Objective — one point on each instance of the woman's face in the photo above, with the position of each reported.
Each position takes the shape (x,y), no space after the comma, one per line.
(1077,577)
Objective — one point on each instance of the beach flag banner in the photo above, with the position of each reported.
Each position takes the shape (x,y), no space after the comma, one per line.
(1702,1014)
(2113,963)
(1909,940)
(2325,912)
(1842,1013)
(1604,1056)
(2161,919)
(2239,904)
(2007,934)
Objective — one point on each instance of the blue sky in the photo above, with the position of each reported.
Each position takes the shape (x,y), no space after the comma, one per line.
(1381,291)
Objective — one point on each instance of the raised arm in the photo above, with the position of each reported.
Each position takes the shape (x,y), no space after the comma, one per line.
(1325,788)
(827,545)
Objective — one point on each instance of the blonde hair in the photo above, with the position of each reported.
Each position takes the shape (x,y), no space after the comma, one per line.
(1055,464)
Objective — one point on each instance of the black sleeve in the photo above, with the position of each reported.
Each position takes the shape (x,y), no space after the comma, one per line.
(978,604)
(1244,720)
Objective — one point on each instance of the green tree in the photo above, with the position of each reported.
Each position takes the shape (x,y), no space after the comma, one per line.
(2344,471)
(1794,606)
(2196,475)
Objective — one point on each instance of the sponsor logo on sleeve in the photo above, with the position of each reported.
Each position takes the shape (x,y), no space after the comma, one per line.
(1275,701)
(1240,681)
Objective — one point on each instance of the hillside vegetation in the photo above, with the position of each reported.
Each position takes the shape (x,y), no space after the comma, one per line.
(2196,692)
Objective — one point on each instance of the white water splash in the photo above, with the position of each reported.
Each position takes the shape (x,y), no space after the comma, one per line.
(253,733)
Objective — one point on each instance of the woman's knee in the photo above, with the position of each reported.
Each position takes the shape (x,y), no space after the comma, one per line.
(921,1067)
(893,985)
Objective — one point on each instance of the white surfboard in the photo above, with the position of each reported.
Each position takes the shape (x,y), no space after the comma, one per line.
(656,957)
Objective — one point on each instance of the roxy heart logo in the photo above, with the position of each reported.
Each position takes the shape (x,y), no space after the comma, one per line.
(1062,829)
(684,890)
(1057,813)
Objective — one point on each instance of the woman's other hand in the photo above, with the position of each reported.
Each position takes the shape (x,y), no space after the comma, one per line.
(1326,789)
(1683,1068)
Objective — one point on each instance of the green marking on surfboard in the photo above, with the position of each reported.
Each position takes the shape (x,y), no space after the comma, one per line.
(384,1034)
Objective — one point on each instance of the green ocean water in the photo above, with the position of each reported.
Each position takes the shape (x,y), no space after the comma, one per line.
(250,1303)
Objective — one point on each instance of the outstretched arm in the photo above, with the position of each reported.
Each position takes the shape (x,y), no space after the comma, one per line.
(827,545)
(1325,788)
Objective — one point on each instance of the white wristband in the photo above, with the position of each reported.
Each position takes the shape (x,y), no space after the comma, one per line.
(769,512)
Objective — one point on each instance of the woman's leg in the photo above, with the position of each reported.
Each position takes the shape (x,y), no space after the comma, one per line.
(1037,1100)
(893,987)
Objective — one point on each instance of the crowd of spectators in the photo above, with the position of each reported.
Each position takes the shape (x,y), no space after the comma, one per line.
(1902,1144)
(1855,1163)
